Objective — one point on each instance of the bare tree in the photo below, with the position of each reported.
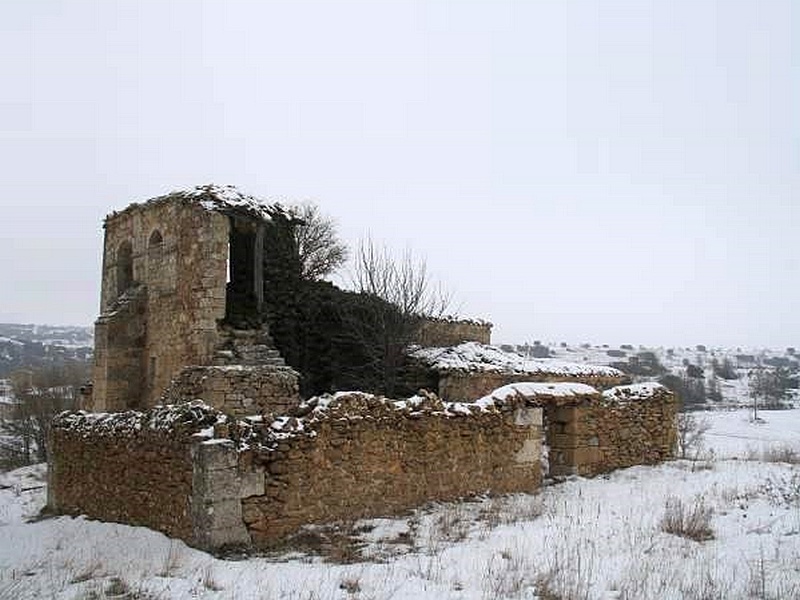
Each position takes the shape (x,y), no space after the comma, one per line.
(769,385)
(320,250)
(690,432)
(409,295)
(40,395)
(404,282)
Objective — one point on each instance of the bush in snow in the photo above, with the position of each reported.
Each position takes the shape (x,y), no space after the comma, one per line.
(693,522)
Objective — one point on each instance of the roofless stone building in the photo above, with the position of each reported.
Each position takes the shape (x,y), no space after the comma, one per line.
(209,442)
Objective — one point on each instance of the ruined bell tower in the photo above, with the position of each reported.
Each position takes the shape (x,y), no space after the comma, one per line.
(182,286)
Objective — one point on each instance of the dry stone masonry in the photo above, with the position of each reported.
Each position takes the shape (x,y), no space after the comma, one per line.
(239,390)
(194,473)
(590,432)
(182,285)
(452,331)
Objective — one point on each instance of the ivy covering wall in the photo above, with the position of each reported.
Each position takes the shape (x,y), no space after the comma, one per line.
(337,340)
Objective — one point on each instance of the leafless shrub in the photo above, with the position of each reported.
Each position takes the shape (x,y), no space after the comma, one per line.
(782,490)
(703,461)
(692,522)
(429,568)
(404,282)
(450,524)
(783,453)
(351,585)
(758,578)
(336,542)
(506,575)
(172,560)
(765,586)
(41,394)
(116,588)
(570,568)
(704,587)
(690,433)
(739,496)
(88,573)
(409,294)
(545,587)
(209,582)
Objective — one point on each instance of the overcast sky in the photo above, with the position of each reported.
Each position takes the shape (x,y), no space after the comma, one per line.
(609,171)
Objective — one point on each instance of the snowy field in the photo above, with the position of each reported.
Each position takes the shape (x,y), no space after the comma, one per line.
(585,538)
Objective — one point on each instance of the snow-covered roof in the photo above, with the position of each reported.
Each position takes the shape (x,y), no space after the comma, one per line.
(473,356)
(636,391)
(220,198)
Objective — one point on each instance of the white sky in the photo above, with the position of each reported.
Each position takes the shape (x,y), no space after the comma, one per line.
(612,171)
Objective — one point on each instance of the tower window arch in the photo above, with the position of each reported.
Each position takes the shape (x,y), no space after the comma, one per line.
(156,241)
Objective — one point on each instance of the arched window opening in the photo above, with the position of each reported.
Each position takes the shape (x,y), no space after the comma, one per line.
(156,241)
(124,267)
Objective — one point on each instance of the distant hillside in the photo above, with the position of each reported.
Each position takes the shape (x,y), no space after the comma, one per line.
(29,345)
(707,376)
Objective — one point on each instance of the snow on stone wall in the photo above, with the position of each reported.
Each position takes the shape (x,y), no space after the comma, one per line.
(193,472)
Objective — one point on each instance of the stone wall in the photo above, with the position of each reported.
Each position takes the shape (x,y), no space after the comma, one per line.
(362,457)
(240,390)
(119,352)
(254,482)
(447,332)
(214,480)
(108,468)
(158,469)
(612,432)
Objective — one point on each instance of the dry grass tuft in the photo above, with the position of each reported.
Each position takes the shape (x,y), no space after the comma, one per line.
(692,522)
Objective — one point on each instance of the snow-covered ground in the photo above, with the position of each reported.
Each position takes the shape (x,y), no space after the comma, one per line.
(584,538)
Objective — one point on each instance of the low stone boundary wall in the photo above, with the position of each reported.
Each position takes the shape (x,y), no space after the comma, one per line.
(355,455)
(588,432)
(161,469)
(193,473)
(127,467)
(472,370)
(627,426)
(216,480)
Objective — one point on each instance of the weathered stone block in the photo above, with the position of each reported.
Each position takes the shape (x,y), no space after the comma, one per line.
(215,455)
(251,484)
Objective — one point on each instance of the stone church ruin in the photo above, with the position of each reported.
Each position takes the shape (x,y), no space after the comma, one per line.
(195,425)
